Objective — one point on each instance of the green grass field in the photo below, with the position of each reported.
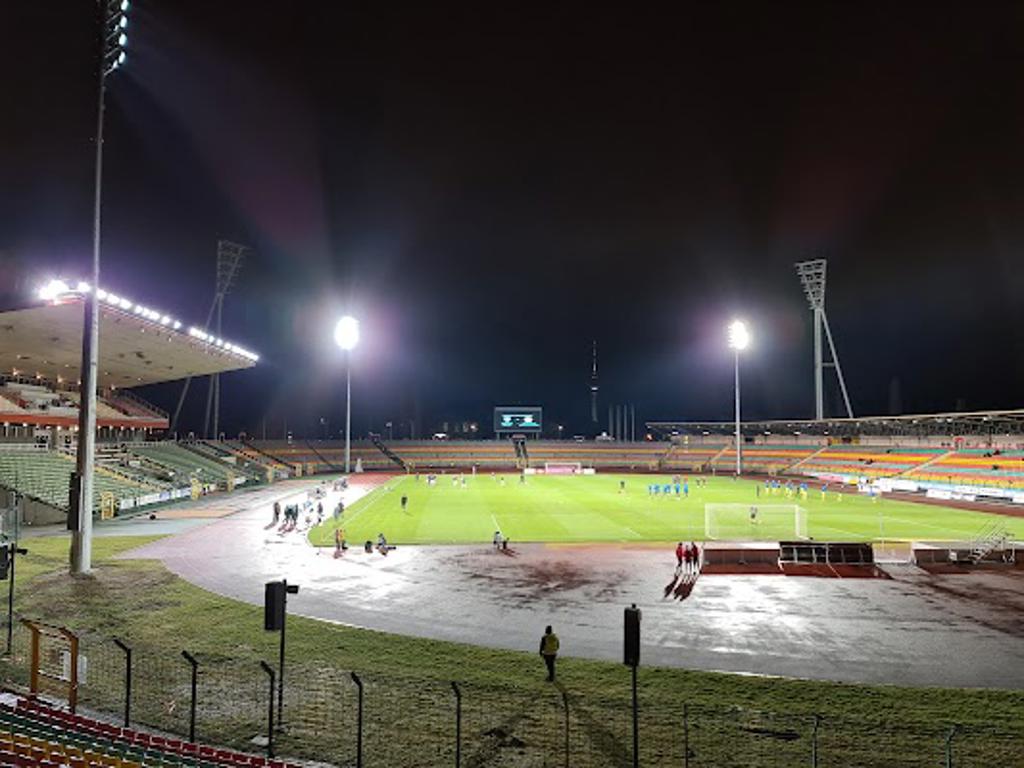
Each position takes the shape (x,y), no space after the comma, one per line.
(591,509)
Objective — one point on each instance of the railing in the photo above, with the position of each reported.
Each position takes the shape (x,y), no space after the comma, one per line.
(354,718)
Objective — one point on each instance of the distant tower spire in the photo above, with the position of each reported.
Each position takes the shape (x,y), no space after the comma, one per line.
(593,384)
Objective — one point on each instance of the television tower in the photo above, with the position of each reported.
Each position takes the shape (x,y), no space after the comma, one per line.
(593,385)
(812,277)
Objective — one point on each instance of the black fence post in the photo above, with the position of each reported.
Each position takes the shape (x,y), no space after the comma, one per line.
(565,705)
(270,708)
(127,680)
(949,745)
(686,735)
(359,722)
(192,709)
(814,741)
(636,723)
(458,724)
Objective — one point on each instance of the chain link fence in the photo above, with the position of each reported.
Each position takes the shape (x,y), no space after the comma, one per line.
(412,721)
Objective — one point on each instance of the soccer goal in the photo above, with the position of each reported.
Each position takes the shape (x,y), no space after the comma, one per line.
(741,522)
(563,468)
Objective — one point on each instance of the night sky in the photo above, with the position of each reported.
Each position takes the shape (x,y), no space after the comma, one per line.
(490,188)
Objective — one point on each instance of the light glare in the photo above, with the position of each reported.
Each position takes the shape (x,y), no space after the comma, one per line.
(739,336)
(346,333)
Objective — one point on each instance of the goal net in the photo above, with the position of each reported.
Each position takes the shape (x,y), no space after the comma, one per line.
(743,522)
(563,468)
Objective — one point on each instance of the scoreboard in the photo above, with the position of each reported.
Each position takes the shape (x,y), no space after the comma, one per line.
(527,419)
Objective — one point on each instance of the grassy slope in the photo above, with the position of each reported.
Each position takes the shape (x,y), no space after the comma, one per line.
(592,509)
(409,702)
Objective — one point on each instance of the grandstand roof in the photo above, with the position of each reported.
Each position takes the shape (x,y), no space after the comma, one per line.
(969,423)
(135,348)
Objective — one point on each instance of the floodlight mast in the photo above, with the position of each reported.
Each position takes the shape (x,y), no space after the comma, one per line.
(346,336)
(812,276)
(113,39)
(739,339)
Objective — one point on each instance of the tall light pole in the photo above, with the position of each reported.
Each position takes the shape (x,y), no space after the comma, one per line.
(346,336)
(739,339)
(113,41)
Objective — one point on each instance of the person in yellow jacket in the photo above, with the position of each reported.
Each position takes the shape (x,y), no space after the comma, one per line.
(549,651)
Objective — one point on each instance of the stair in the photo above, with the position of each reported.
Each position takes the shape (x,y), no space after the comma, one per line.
(796,464)
(994,537)
(711,462)
(522,458)
(323,459)
(928,463)
(664,458)
(395,458)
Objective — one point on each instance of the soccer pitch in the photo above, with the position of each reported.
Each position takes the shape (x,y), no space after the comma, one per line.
(590,508)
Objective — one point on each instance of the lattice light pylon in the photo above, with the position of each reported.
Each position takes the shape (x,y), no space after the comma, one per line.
(812,276)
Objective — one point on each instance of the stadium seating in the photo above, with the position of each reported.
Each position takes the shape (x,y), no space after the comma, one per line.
(975,466)
(254,455)
(184,463)
(45,403)
(34,734)
(868,461)
(45,475)
(761,457)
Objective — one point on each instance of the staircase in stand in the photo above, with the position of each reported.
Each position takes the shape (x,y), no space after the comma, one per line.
(522,458)
(928,463)
(807,458)
(395,458)
(991,539)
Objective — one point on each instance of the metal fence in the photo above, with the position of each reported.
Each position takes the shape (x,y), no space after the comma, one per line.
(365,720)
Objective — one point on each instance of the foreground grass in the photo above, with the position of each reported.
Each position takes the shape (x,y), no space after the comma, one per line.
(511,717)
(592,508)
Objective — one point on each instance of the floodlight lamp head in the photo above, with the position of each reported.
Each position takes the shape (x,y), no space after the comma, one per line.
(52,289)
(739,336)
(346,333)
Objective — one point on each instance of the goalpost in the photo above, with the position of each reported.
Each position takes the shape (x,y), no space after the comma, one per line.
(563,467)
(740,522)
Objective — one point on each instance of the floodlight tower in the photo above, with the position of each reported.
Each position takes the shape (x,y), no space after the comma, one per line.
(593,386)
(812,277)
(739,339)
(346,336)
(113,41)
(229,263)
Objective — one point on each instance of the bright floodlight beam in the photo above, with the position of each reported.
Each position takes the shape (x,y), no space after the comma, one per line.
(346,336)
(739,339)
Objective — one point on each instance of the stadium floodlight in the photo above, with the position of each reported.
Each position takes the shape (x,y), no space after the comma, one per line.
(113,39)
(52,289)
(346,333)
(739,336)
(346,336)
(739,339)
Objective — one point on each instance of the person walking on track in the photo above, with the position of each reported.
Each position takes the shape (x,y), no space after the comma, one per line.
(549,651)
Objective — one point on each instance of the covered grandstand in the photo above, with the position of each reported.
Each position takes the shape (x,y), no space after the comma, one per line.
(40,351)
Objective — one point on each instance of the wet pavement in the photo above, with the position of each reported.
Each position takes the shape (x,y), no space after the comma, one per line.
(914,628)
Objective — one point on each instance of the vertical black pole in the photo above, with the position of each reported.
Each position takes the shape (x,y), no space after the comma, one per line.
(359,722)
(458,724)
(814,742)
(281,662)
(192,709)
(636,725)
(686,735)
(13,549)
(270,709)
(127,681)
(565,703)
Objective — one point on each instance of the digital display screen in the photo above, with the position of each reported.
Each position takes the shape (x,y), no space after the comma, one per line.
(522,419)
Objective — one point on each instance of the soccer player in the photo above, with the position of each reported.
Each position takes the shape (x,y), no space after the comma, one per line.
(680,553)
(686,488)
(678,489)
(753,515)
(622,486)
(667,489)
(405,502)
